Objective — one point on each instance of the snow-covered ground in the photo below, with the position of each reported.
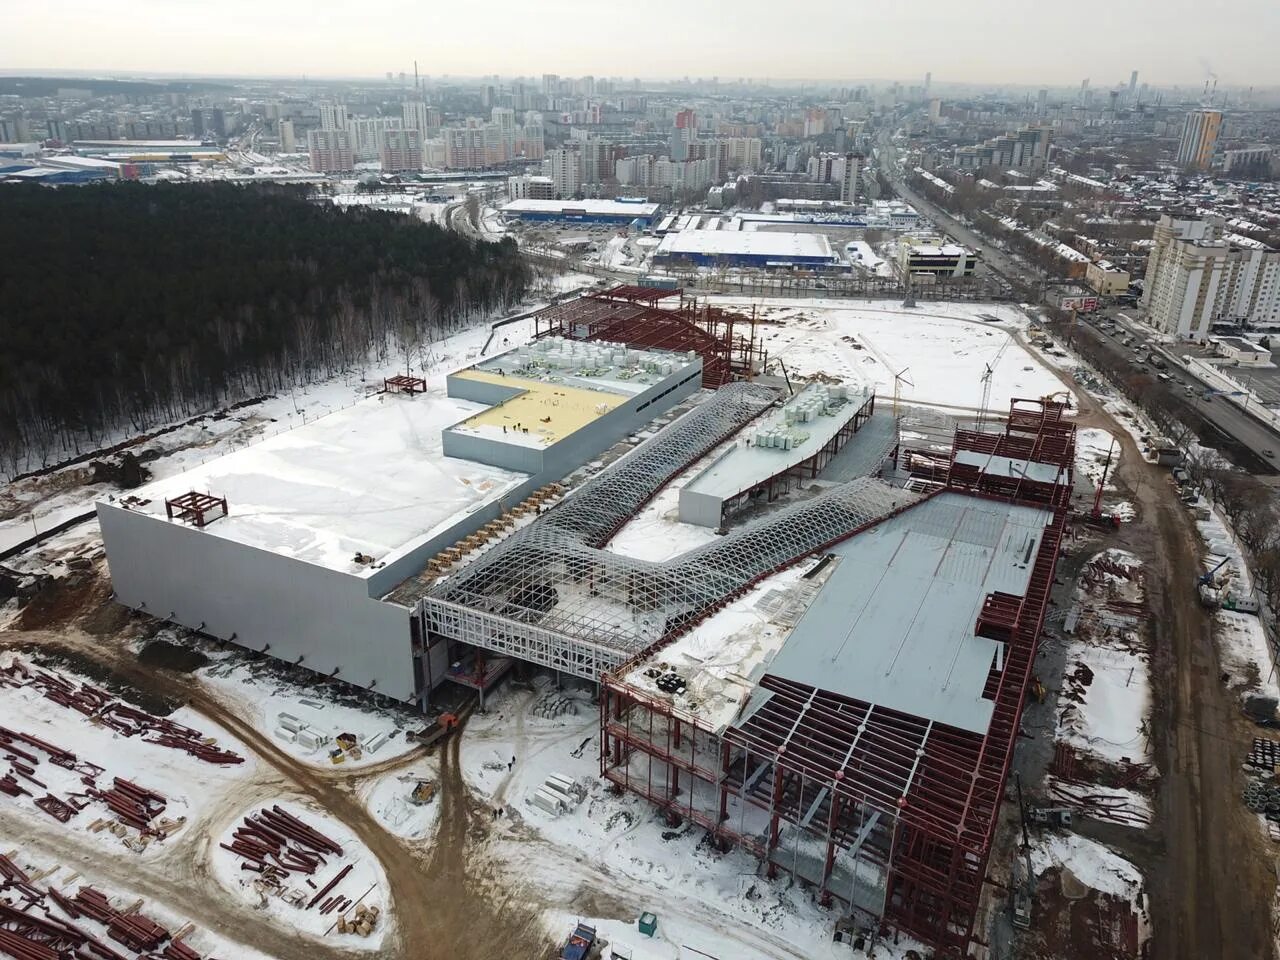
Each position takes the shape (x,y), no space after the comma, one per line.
(1245,654)
(942,347)
(365,884)
(388,798)
(69,879)
(1092,863)
(1093,445)
(264,692)
(1106,693)
(188,784)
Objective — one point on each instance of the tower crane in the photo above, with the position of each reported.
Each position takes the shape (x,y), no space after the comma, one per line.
(990,368)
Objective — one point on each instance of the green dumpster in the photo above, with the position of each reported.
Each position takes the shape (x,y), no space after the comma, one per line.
(648,924)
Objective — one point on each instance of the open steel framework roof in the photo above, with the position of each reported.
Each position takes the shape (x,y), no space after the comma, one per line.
(552,595)
(632,315)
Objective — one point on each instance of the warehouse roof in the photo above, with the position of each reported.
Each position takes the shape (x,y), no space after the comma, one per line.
(371,478)
(599,208)
(894,625)
(755,243)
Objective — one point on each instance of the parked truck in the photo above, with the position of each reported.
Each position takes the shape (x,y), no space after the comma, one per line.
(579,944)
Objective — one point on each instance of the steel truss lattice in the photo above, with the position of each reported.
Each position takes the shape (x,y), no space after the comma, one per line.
(552,595)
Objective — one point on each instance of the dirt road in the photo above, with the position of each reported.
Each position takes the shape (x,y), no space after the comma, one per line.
(1210,880)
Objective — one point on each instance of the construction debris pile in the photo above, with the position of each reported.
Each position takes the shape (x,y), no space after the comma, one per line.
(32,929)
(102,708)
(131,805)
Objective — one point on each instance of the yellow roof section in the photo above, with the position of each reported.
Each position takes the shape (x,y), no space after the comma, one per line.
(547,411)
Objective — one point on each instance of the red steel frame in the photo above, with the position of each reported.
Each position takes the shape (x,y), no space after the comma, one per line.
(403,383)
(631,315)
(834,760)
(195,507)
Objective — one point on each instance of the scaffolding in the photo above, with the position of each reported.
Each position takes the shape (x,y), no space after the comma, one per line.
(889,815)
(632,315)
(552,595)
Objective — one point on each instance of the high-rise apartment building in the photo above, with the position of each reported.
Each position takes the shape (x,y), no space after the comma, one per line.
(331,151)
(209,122)
(1198,276)
(683,134)
(851,182)
(366,135)
(401,150)
(564,167)
(333,116)
(417,115)
(1200,132)
(288,137)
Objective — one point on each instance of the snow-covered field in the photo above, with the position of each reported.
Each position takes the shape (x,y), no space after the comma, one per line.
(1093,864)
(188,784)
(264,693)
(387,797)
(943,348)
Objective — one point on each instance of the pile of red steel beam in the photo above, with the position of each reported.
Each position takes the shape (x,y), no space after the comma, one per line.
(275,844)
(25,936)
(101,706)
(135,806)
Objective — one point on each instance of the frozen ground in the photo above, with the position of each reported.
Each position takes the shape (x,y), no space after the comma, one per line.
(1111,721)
(1093,864)
(943,347)
(679,938)
(365,884)
(1245,654)
(388,798)
(1092,448)
(1106,694)
(67,880)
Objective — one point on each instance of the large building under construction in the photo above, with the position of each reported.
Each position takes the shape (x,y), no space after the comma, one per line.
(826,665)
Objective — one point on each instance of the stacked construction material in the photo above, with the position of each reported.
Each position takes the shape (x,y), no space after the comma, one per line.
(28,936)
(100,706)
(133,805)
(275,843)
(129,721)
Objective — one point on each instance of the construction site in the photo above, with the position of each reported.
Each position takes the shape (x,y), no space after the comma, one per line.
(662,579)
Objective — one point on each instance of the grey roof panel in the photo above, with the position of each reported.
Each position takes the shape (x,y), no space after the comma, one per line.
(894,623)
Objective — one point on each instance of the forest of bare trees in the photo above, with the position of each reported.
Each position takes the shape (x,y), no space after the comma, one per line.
(124,306)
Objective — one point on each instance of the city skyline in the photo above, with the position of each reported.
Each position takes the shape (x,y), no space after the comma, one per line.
(1166,42)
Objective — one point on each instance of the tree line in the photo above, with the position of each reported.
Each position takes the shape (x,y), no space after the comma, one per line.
(124,305)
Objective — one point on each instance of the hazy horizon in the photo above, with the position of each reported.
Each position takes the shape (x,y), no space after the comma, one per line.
(986,42)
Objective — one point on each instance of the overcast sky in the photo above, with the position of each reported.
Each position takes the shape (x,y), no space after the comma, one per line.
(982,41)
